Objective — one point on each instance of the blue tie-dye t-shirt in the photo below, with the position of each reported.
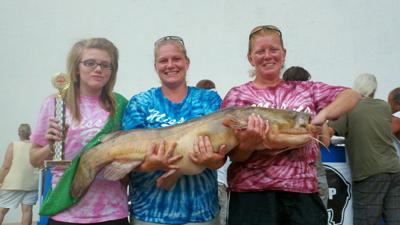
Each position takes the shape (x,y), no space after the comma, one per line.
(194,198)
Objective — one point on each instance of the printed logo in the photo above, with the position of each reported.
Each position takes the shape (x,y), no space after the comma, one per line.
(339,195)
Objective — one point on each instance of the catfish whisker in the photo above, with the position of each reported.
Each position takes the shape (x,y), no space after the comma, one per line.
(320,142)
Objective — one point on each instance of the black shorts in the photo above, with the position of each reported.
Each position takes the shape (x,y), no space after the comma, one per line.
(276,208)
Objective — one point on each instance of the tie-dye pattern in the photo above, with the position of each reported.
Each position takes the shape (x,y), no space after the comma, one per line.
(194,198)
(292,171)
(105,200)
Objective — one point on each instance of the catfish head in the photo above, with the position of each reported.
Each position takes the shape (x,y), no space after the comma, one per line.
(286,129)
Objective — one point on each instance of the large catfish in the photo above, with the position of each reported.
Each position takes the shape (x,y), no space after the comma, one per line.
(287,129)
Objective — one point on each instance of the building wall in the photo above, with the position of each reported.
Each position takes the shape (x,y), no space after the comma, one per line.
(334,40)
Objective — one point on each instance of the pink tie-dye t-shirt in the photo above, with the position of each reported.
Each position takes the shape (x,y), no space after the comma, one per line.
(105,200)
(294,170)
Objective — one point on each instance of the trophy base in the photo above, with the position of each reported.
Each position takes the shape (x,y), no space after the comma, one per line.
(49,163)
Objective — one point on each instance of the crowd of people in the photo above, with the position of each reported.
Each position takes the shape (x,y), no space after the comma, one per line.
(245,186)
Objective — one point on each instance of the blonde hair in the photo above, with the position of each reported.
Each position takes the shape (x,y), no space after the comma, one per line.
(74,57)
(365,84)
(175,40)
(24,131)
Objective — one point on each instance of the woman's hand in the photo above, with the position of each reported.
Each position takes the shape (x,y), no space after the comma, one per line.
(249,138)
(203,153)
(320,118)
(38,153)
(253,135)
(53,133)
(157,158)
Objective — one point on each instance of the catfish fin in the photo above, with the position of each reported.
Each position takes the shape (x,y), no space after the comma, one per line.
(117,169)
(233,122)
(111,136)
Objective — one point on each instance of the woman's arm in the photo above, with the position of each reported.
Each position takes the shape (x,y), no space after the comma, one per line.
(5,168)
(344,102)
(396,126)
(37,155)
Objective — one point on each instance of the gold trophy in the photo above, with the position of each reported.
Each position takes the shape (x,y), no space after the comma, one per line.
(61,82)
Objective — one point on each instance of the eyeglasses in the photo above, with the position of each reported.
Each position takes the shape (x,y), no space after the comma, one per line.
(174,38)
(265,27)
(91,63)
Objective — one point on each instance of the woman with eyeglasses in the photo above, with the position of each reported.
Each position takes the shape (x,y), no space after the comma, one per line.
(91,109)
(168,197)
(269,187)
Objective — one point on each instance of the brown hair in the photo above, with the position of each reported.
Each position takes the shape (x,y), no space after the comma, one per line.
(394,99)
(72,96)
(205,84)
(296,73)
(24,131)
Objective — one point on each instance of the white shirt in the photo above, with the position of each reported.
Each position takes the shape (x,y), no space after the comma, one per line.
(396,114)
(223,172)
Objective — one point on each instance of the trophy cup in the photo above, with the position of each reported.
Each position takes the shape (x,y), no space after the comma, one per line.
(61,82)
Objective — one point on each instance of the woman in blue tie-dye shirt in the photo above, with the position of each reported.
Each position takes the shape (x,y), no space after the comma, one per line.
(193,199)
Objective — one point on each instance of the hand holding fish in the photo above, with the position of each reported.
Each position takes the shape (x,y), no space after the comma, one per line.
(253,134)
(249,138)
(204,154)
(159,159)
(320,118)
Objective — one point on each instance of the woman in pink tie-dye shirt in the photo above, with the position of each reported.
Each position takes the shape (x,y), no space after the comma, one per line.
(92,67)
(278,189)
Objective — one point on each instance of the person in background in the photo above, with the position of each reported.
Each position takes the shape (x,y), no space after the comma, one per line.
(394,102)
(190,199)
(374,164)
(18,179)
(297,73)
(92,67)
(206,84)
(221,172)
(281,188)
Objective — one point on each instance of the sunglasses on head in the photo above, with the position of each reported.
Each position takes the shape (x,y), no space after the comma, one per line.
(174,38)
(265,27)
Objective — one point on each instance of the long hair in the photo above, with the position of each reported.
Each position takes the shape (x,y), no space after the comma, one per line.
(75,55)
